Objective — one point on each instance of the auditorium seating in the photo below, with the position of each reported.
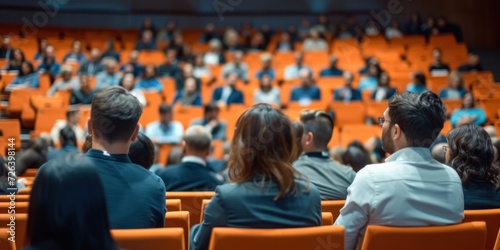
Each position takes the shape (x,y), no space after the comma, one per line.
(497,243)
(179,219)
(21,207)
(333,207)
(323,237)
(151,238)
(466,236)
(21,221)
(5,243)
(174,205)
(11,129)
(492,219)
(191,202)
(18,198)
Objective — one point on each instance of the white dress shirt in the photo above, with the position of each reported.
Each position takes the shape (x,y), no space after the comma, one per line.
(410,189)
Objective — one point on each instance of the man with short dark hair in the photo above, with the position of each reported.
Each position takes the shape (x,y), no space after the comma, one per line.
(211,121)
(73,120)
(307,91)
(166,130)
(331,178)
(192,174)
(135,197)
(228,94)
(410,188)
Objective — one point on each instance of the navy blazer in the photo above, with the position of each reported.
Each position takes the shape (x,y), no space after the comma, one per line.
(235,97)
(189,176)
(355,95)
(389,94)
(248,205)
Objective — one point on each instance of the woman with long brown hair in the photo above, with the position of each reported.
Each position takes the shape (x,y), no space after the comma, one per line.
(266,191)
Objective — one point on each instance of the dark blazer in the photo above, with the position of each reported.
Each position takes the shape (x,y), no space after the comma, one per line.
(66,149)
(235,97)
(84,68)
(389,94)
(248,205)
(189,176)
(355,95)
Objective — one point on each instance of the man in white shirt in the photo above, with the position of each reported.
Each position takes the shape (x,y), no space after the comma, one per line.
(108,77)
(237,66)
(315,42)
(165,131)
(410,188)
(292,71)
(73,121)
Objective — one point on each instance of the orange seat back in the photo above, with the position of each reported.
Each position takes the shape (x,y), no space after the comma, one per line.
(20,207)
(191,202)
(11,129)
(333,207)
(173,205)
(21,221)
(326,219)
(150,238)
(179,219)
(348,113)
(5,243)
(492,219)
(18,198)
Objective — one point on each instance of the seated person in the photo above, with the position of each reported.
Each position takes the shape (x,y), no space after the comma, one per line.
(149,80)
(16,61)
(285,44)
(368,61)
(128,83)
(209,34)
(266,92)
(33,156)
(142,151)
(331,178)
(27,78)
(308,91)
(147,42)
(6,48)
(200,70)
(237,65)
(393,30)
(109,77)
(438,67)
(418,83)
(170,67)
(133,64)
(347,93)
(232,41)
(215,55)
(49,65)
(76,54)
(474,65)
(315,42)
(72,120)
(110,51)
(166,130)
(192,174)
(471,153)
(333,70)
(93,65)
(292,71)
(84,94)
(212,122)
(67,138)
(383,91)
(469,113)
(186,72)
(188,96)
(456,88)
(228,94)
(67,81)
(266,192)
(370,81)
(266,69)
(257,43)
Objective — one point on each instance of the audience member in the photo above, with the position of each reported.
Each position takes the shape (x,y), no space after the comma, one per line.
(429,27)
(33,156)
(166,130)
(147,41)
(109,77)
(168,34)
(323,25)
(114,125)
(443,27)
(370,81)
(393,30)
(66,82)
(228,94)
(16,61)
(212,122)
(27,78)
(72,120)
(6,48)
(128,83)
(333,70)
(142,151)
(149,80)
(5,180)
(110,51)
(432,197)
(192,174)
(147,25)
(76,55)
(356,157)
(257,43)
(209,34)
(232,41)
(343,32)
(266,92)
(49,65)
(383,91)
(438,67)
(308,91)
(372,28)
(285,44)
(174,156)
(347,93)
(237,66)
(292,71)
(469,113)
(42,45)
(188,96)
(266,192)
(473,65)
(418,83)
(266,60)
(304,28)
(133,64)
(369,61)
(214,56)
(456,89)
(93,65)
(178,46)
(84,94)
(200,70)
(67,138)
(437,151)
(186,73)
(67,208)
(298,127)
(414,25)
(471,153)
(375,147)
(315,42)
(330,178)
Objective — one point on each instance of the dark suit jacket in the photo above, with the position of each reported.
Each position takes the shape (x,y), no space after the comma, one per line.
(390,93)
(84,68)
(355,95)
(188,176)
(235,97)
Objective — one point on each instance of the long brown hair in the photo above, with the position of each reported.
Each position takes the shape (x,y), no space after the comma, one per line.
(264,147)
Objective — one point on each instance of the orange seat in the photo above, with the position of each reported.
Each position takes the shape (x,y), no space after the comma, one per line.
(359,132)
(163,152)
(11,129)
(19,207)
(21,221)
(174,205)
(46,118)
(375,109)
(179,219)
(451,105)
(323,237)
(333,207)
(490,107)
(466,236)
(326,219)
(348,113)
(150,238)
(497,243)
(30,172)
(5,243)
(186,115)
(492,219)
(18,198)
(191,202)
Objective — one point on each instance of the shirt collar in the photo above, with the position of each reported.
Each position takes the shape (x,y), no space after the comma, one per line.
(105,155)
(194,159)
(322,155)
(411,154)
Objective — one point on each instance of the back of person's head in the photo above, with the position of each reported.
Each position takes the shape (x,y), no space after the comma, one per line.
(165,109)
(114,115)
(438,153)
(73,116)
(67,207)
(336,154)
(39,145)
(419,78)
(175,156)
(299,132)
(471,153)
(419,116)
(318,129)
(263,149)
(197,141)
(67,136)
(355,157)
(142,151)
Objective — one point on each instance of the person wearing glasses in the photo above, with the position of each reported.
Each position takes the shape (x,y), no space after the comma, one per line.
(331,178)
(410,188)
(470,152)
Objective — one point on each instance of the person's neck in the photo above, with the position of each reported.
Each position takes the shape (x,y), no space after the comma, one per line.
(315,150)
(201,155)
(116,148)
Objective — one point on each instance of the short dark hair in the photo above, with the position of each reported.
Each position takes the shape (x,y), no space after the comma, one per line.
(320,124)
(142,151)
(355,157)
(420,116)
(67,134)
(210,107)
(114,114)
(70,113)
(165,109)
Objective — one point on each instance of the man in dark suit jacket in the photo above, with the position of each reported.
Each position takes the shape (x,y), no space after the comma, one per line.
(228,94)
(347,93)
(93,65)
(192,174)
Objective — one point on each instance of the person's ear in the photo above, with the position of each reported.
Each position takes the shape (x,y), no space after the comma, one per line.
(89,127)
(309,139)
(136,132)
(397,132)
